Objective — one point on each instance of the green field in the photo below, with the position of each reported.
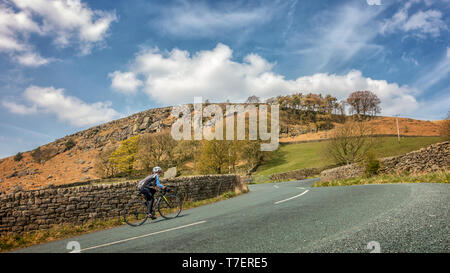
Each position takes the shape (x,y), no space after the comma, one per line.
(310,154)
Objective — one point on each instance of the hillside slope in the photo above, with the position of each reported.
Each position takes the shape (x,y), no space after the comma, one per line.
(62,165)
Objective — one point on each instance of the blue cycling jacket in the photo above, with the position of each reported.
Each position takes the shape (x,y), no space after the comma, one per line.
(150,181)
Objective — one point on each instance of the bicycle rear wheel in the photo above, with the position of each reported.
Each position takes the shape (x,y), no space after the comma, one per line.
(135,212)
(170,206)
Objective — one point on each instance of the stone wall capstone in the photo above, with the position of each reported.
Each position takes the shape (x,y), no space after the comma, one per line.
(22,211)
(432,158)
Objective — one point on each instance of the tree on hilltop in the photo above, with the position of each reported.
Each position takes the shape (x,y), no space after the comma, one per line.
(364,103)
(253,99)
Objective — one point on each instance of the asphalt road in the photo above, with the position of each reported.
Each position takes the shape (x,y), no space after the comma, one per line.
(292,217)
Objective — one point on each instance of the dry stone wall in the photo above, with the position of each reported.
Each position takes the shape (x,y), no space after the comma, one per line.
(40,209)
(432,158)
(347,171)
(297,174)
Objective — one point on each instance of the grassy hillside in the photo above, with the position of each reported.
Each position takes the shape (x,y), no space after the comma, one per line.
(309,155)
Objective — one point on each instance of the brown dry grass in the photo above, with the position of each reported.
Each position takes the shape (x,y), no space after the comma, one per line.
(381,126)
(61,169)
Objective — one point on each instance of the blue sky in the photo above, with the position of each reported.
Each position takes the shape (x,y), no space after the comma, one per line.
(68,65)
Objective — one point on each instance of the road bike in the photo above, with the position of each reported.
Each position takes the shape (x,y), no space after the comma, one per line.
(169,206)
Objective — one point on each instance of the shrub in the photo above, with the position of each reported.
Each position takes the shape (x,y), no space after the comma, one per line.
(41,155)
(69,144)
(229,194)
(36,154)
(18,156)
(372,164)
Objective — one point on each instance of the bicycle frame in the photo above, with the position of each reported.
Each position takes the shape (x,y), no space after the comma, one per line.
(158,199)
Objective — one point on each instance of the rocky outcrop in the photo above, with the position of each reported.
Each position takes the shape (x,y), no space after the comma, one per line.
(432,158)
(171,172)
(150,121)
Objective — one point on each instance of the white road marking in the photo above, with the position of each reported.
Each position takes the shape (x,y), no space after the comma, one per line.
(142,236)
(301,188)
(291,197)
(276,186)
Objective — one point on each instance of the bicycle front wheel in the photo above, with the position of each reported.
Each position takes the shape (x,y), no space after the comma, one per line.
(169,206)
(135,212)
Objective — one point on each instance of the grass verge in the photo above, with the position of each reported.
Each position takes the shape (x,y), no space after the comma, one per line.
(11,241)
(436,177)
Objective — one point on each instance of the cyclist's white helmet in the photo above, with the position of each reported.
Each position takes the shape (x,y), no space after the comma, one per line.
(157,169)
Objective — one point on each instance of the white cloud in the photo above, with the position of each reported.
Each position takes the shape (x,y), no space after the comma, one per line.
(31,59)
(124,82)
(66,108)
(12,27)
(67,22)
(176,77)
(427,22)
(18,108)
(420,24)
(197,19)
(15,27)
(373,2)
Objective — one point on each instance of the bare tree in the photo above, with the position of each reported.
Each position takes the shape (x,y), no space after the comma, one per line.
(445,127)
(217,156)
(103,166)
(185,150)
(340,108)
(364,103)
(350,143)
(271,100)
(155,150)
(253,99)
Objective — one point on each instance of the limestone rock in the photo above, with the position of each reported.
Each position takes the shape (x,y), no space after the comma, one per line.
(170,173)
(155,126)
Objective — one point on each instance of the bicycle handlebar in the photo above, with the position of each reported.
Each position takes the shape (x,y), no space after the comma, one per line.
(167,189)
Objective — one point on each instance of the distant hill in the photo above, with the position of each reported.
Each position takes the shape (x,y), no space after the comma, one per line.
(386,126)
(59,163)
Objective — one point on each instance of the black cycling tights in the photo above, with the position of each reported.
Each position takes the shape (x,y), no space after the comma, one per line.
(149,196)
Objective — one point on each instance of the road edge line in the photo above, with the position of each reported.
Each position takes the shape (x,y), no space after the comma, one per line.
(141,236)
